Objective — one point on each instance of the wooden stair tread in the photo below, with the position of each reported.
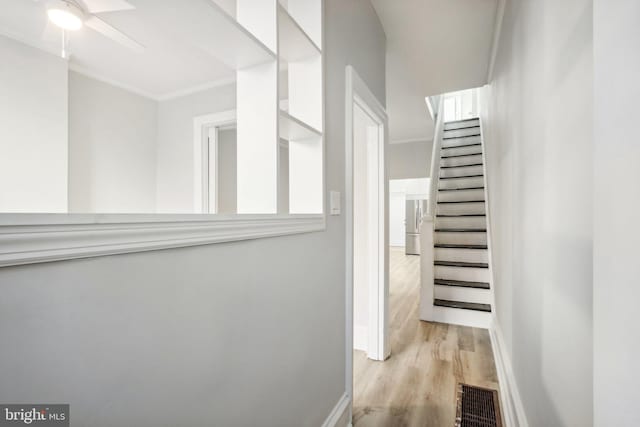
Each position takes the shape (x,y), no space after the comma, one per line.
(459,137)
(459,246)
(466,127)
(461,283)
(462,201)
(461,188)
(461,166)
(458,215)
(460,230)
(461,264)
(458,177)
(462,305)
(459,155)
(462,146)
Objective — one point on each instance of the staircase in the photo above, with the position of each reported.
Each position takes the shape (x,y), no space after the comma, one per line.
(462,288)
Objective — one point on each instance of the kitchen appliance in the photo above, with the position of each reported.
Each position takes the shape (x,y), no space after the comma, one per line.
(415,209)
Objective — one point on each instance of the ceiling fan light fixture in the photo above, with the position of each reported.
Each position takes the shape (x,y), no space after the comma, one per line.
(65,15)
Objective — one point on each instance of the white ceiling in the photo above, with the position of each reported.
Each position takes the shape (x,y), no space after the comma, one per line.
(168,65)
(433,47)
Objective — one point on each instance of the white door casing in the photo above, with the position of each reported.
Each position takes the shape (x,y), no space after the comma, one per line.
(357,93)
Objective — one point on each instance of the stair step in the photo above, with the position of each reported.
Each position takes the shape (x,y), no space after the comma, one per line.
(461,120)
(462,176)
(452,184)
(463,201)
(461,283)
(459,246)
(460,238)
(460,230)
(461,264)
(459,155)
(465,127)
(460,146)
(458,215)
(462,305)
(460,166)
(459,137)
(461,188)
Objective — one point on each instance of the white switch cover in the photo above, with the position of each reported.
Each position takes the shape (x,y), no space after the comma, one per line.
(334,203)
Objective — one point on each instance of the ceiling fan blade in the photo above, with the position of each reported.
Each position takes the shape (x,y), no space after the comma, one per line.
(108,31)
(100,6)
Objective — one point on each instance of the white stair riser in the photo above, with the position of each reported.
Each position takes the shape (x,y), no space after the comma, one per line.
(461,222)
(457,142)
(467,274)
(468,238)
(461,161)
(462,255)
(467,170)
(461,183)
(460,208)
(454,293)
(450,133)
(474,149)
(456,316)
(460,195)
(463,124)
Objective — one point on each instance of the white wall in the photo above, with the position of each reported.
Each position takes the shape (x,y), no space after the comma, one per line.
(617,201)
(207,331)
(410,159)
(33,130)
(397,218)
(538,129)
(175,167)
(112,148)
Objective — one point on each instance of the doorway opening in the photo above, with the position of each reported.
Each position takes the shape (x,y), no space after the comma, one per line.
(367,272)
(215,163)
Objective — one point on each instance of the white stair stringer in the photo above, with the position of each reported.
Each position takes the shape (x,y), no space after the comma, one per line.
(460,294)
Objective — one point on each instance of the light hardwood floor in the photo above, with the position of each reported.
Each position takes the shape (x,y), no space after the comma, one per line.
(416,385)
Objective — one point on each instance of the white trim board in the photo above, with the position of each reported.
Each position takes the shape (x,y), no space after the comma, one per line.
(510,401)
(35,238)
(358,93)
(201,156)
(338,413)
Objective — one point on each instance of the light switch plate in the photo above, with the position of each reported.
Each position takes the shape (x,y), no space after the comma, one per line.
(334,203)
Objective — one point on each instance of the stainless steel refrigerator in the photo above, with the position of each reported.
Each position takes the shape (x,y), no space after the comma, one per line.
(413,221)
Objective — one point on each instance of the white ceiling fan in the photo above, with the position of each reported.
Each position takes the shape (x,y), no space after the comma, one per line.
(71,15)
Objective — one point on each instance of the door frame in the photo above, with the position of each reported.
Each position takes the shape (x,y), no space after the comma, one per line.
(202,165)
(357,93)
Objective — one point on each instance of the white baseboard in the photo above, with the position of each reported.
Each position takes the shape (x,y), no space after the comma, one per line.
(512,408)
(339,416)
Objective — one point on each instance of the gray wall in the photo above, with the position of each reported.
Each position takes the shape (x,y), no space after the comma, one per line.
(617,201)
(112,148)
(227,171)
(240,334)
(540,178)
(410,160)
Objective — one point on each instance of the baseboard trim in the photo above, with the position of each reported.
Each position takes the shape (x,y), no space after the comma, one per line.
(339,413)
(512,407)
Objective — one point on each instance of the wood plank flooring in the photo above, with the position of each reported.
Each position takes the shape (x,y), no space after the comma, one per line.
(416,385)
